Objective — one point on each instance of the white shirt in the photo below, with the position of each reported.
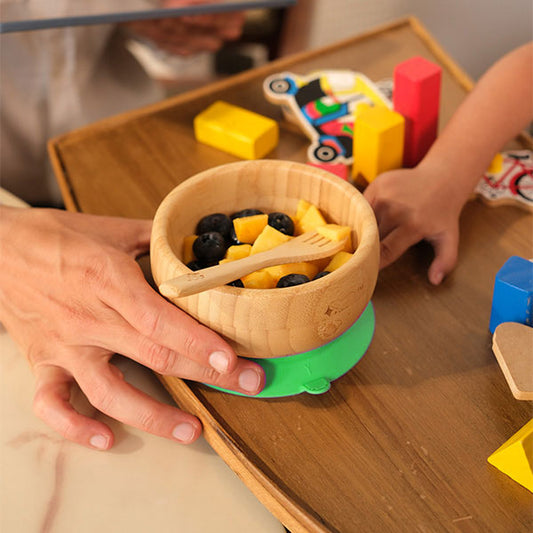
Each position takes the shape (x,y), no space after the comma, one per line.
(53,81)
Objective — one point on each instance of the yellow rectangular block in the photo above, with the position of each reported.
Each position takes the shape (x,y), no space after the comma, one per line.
(377,142)
(236,131)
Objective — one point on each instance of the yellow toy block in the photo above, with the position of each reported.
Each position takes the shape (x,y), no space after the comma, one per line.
(378,142)
(236,130)
(515,457)
(496,164)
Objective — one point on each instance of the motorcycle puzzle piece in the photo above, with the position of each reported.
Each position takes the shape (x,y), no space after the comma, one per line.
(509,180)
(325,104)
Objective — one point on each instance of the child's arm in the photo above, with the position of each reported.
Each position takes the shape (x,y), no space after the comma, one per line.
(425,202)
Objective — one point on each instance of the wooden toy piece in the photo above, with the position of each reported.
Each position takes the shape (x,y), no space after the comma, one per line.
(512,344)
(323,105)
(515,457)
(339,169)
(378,142)
(236,130)
(416,96)
(508,180)
(512,298)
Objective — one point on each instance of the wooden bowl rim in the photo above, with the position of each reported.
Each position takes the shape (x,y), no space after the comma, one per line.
(365,241)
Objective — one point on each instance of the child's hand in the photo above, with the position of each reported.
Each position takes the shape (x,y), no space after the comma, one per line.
(412,205)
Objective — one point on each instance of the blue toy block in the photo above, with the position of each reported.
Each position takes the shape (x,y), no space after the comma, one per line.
(512,299)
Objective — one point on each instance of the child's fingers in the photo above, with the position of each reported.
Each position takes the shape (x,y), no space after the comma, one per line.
(396,243)
(445,247)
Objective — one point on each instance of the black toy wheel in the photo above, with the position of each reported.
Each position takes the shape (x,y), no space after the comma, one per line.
(279,86)
(524,186)
(325,153)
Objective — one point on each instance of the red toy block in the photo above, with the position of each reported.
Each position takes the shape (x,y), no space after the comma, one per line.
(416,96)
(339,169)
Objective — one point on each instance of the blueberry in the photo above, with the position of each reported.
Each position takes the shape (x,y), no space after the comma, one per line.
(292,279)
(196,265)
(209,247)
(281,222)
(215,222)
(322,274)
(236,283)
(199,265)
(246,213)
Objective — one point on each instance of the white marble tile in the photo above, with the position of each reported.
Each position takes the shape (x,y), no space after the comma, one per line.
(144,483)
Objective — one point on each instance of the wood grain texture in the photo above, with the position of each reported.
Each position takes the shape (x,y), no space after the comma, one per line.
(400,442)
(271,323)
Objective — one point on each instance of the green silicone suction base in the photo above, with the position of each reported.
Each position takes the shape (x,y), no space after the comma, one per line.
(313,371)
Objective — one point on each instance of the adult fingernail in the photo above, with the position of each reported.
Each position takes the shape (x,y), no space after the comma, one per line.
(183,432)
(219,361)
(249,380)
(99,442)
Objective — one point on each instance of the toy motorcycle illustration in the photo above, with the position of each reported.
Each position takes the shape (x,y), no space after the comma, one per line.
(324,105)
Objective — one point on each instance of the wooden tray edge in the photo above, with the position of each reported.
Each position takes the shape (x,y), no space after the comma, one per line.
(289,513)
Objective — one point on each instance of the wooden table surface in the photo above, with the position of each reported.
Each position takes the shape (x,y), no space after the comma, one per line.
(401,441)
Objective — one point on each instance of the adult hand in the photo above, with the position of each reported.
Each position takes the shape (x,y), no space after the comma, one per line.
(72,295)
(192,34)
(411,205)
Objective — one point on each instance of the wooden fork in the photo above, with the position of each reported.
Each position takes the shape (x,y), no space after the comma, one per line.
(306,247)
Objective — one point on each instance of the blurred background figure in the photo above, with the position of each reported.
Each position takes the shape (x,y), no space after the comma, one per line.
(55,80)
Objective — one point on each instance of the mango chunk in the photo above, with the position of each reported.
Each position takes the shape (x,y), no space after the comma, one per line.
(247,229)
(311,220)
(338,260)
(301,208)
(321,263)
(258,280)
(188,254)
(269,238)
(238,251)
(306,268)
(334,232)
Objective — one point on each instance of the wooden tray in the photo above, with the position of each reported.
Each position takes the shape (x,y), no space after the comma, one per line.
(401,441)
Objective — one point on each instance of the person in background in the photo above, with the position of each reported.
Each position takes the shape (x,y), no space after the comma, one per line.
(71,292)
(425,202)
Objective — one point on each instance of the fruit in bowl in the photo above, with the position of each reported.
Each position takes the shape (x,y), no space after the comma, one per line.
(271,322)
(221,239)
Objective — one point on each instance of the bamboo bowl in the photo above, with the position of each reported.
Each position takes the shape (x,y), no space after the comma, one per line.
(265,323)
